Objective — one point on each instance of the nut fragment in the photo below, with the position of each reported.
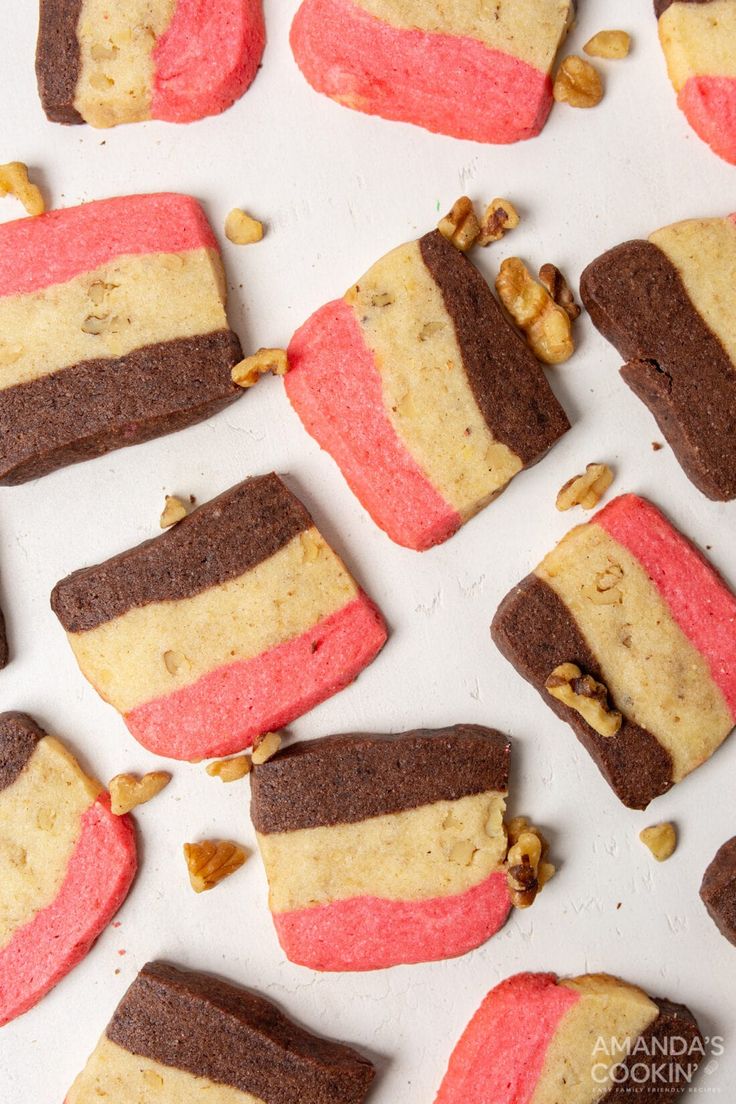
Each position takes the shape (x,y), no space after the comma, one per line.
(14,181)
(526,869)
(461,226)
(264,747)
(230,770)
(174,661)
(609,44)
(127,791)
(589,698)
(249,371)
(661,839)
(500,216)
(241,229)
(174,510)
(585,490)
(558,287)
(577,83)
(210,861)
(547,326)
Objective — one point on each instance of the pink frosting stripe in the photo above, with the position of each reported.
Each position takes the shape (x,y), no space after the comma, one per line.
(207,57)
(225,710)
(372,933)
(335,388)
(450,84)
(500,1056)
(709,104)
(52,248)
(99,875)
(699,600)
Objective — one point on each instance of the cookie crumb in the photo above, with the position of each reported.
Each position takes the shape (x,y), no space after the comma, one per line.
(14,180)
(174,510)
(612,45)
(265,747)
(661,839)
(127,791)
(230,770)
(242,229)
(656,446)
(211,861)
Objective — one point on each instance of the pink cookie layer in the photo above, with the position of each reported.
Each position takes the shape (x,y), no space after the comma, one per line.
(97,881)
(335,387)
(207,57)
(710,106)
(57,246)
(450,84)
(501,1053)
(372,933)
(225,710)
(699,600)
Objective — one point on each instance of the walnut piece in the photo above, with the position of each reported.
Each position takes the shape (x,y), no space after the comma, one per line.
(589,698)
(661,839)
(127,791)
(585,490)
(264,747)
(547,326)
(230,770)
(500,216)
(210,861)
(608,44)
(241,229)
(605,590)
(526,869)
(552,279)
(14,181)
(461,226)
(577,83)
(174,510)
(249,371)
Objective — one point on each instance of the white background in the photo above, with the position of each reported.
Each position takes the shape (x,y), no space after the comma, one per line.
(337,190)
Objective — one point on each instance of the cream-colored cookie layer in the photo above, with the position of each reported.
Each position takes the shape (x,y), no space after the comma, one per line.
(654,674)
(121,306)
(156,649)
(531,30)
(426,392)
(699,40)
(576,1067)
(116,72)
(116,1076)
(40,823)
(435,850)
(704,253)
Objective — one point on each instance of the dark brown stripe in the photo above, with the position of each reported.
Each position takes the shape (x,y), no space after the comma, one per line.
(676,364)
(91,408)
(536,632)
(57,59)
(220,540)
(672,1048)
(661,6)
(4,647)
(209,1028)
(506,379)
(718,890)
(19,735)
(345,779)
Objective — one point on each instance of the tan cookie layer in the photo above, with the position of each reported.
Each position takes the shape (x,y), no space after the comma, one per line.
(40,823)
(155,649)
(434,851)
(108,312)
(531,30)
(699,40)
(704,253)
(116,1076)
(426,392)
(654,674)
(116,72)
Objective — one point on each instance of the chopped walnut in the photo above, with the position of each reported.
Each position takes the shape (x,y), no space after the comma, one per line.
(14,181)
(265,747)
(605,590)
(589,698)
(500,216)
(174,661)
(585,490)
(462,852)
(577,83)
(547,326)
(241,229)
(210,861)
(249,371)
(526,869)
(558,287)
(230,770)
(127,791)
(461,226)
(661,839)
(174,510)
(609,44)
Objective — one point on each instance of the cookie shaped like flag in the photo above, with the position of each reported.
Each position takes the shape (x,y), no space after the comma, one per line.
(234,622)
(66,863)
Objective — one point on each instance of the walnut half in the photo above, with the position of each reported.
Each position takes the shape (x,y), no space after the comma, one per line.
(546,325)
(586,696)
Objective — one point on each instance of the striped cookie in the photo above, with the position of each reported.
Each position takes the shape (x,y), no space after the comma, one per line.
(718,890)
(467,69)
(385,850)
(538,1039)
(66,863)
(234,622)
(189,1037)
(669,306)
(106,62)
(699,42)
(422,392)
(112,330)
(629,601)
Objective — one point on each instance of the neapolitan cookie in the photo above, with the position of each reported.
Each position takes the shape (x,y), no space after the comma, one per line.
(112,330)
(427,398)
(718,890)
(629,634)
(185,1037)
(66,863)
(669,306)
(232,623)
(178,60)
(594,1039)
(699,42)
(382,850)
(470,70)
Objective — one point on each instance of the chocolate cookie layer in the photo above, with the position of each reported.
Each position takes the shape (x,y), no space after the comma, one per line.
(718,890)
(661,6)
(19,735)
(57,59)
(673,1040)
(345,779)
(4,647)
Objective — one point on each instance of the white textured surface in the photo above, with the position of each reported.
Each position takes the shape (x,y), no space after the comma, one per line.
(337,189)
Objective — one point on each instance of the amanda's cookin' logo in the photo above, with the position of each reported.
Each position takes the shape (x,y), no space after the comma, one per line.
(657,1063)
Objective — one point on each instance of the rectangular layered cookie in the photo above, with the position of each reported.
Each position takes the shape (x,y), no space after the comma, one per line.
(234,622)
(183,1036)
(422,392)
(382,850)
(668,304)
(647,626)
(112,330)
